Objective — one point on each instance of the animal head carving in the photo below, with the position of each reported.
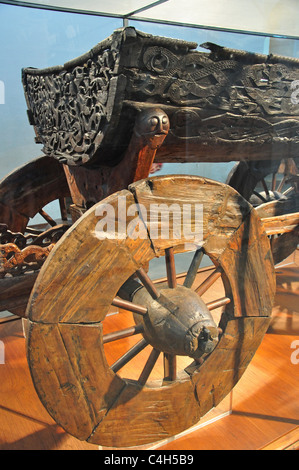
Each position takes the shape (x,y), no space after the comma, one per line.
(153,126)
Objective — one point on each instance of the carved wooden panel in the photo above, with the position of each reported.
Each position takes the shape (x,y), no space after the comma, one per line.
(224,105)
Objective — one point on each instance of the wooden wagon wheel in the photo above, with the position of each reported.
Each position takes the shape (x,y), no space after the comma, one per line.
(23,194)
(86,274)
(272,187)
(25,191)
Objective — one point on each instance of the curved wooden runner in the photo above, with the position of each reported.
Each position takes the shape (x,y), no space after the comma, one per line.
(76,288)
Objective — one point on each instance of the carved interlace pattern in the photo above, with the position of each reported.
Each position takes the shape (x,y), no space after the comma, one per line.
(220,99)
(196,79)
(70,108)
(21,253)
(235,97)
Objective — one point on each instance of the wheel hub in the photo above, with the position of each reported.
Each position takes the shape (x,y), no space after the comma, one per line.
(178,322)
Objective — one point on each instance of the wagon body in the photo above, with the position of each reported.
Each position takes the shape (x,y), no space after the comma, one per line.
(223,105)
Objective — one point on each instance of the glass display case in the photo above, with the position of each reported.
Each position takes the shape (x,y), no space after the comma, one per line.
(116,122)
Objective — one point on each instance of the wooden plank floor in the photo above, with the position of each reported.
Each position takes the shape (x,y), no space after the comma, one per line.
(265,401)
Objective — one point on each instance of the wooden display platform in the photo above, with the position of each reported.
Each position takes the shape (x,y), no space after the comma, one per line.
(265,407)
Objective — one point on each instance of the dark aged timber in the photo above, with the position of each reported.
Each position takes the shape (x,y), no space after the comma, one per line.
(170,355)
(224,104)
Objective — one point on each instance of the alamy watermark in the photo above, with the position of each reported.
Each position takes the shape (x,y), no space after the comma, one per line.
(158,221)
(295,92)
(2,92)
(2,353)
(295,354)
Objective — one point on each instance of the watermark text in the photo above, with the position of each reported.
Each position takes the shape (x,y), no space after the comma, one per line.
(2,353)
(2,92)
(295,354)
(158,221)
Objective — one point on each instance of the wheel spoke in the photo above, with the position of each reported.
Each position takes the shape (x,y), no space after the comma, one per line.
(129,355)
(32,231)
(288,191)
(260,196)
(148,283)
(170,367)
(170,268)
(126,333)
(193,268)
(47,218)
(150,364)
(218,303)
(274,181)
(204,286)
(281,184)
(265,187)
(126,305)
(63,210)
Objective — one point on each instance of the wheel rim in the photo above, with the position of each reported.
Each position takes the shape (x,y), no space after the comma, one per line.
(30,188)
(65,344)
(273,189)
(23,249)
(282,185)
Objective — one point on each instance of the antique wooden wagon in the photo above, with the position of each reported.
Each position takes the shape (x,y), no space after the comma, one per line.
(103,119)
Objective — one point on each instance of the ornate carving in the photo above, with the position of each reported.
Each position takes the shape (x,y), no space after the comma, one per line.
(182,79)
(85,110)
(152,126)
(20,253)
(15,261)
(207,82)
(32,236)
(69,105)
(229,97)
(231,128)
(60,105)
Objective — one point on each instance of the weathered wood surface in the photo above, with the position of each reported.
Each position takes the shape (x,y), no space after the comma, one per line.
(23,194)
(232,234)
(28,189)
(281,224)
(89,269)
(261,389)
(283,230)
(284,244)
(277,203)
(246,175)
(224,104)
(220,210)
(15,292)
(77,374)
(90,185)
(279,208)
(76,288)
